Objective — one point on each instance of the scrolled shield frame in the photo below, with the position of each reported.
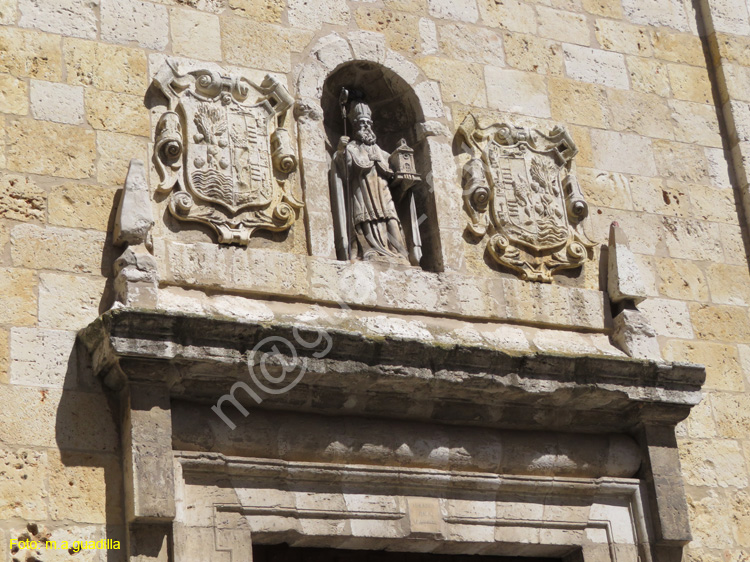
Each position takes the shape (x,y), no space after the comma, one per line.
(533,220)
(195,140)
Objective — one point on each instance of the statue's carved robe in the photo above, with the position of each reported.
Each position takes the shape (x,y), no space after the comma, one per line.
(364,211)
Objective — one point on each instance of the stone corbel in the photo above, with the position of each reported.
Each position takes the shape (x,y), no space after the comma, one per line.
(632,331)
(136,276)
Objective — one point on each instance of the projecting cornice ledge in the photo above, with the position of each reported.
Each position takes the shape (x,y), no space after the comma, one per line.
(201,358)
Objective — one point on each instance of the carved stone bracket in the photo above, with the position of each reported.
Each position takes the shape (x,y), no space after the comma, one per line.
(520,191)
(223,152)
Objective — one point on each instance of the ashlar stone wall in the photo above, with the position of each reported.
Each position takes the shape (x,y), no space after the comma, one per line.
(654,94)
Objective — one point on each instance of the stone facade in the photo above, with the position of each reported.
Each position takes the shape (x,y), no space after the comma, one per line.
(491,382)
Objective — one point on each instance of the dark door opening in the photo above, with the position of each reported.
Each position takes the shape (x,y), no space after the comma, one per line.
(285,553)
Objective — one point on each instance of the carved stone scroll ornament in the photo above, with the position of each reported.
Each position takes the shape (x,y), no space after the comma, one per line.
(520,191)
(223,146)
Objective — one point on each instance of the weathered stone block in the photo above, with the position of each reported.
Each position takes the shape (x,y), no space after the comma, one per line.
(120,113)
(57,102)
(679,161)
(690,83)
(123,21)
(73,18)
(40,147)
(512,15)
(471,44)
(517,92)
(533,54)
(648,75)
(645,114)
(23,475)
(682,279)
(633,333)
(115,152)
(459,82)
(81,206)
(656,13)
(559,25)
(596,66)
(620,152)
(79,489)
(677,47)
(69,302)
(30,54)
(105,67)
(732,414)
(693,240)
(260,10)
(696,123)
(312,15)
(261,45)
(7,17)
(21,199)
(18,287)
(717,322)
(42,357)
(187,26)
(623,275)
(57,248)
(579,103)
(668,317)
(13,95)
(623,37)
(462,10)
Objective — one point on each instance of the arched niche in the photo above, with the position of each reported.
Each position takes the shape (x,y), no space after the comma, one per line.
(397,95)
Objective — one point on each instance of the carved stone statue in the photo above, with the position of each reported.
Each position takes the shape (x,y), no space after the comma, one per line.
(367,187)
(521,190)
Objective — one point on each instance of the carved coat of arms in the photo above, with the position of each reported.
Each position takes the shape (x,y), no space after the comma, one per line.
(519,191)
(223,146)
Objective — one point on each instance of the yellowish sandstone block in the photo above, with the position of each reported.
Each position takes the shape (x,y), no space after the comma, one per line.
(14,95)
(105,67)
(30,54)
(690,83)
(655,195)
(23,475)
(568,27)
(115,151)
(21,199)
(411,6)
(78,488)
(677,47)
(680,161)
(732,48)
(729,284)
(69,302)
(605,189)
(401,30)
(623,37)
(606,8)
(260,10)
(533,54)
(649,76)
(732,414)
(579,103)
(459,82)
(261,45)
(471,44)
(52,149)
(18,287)
(81,206)
(645,114)
(513,15)
(719,322)
(4,355)
(120,113)
(56,248)
(712,204)
(682,279)
(186,25)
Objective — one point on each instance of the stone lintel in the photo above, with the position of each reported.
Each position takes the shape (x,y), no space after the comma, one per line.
(201,358)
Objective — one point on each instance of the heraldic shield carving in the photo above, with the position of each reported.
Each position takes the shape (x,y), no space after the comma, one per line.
(520,191)
(222,147)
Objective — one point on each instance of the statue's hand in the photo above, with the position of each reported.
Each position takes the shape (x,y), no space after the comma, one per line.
(343,141)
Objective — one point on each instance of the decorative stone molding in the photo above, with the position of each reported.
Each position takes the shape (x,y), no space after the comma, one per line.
(227,151)
(520,190)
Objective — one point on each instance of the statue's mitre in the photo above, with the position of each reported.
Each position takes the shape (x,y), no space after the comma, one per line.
(359,110)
